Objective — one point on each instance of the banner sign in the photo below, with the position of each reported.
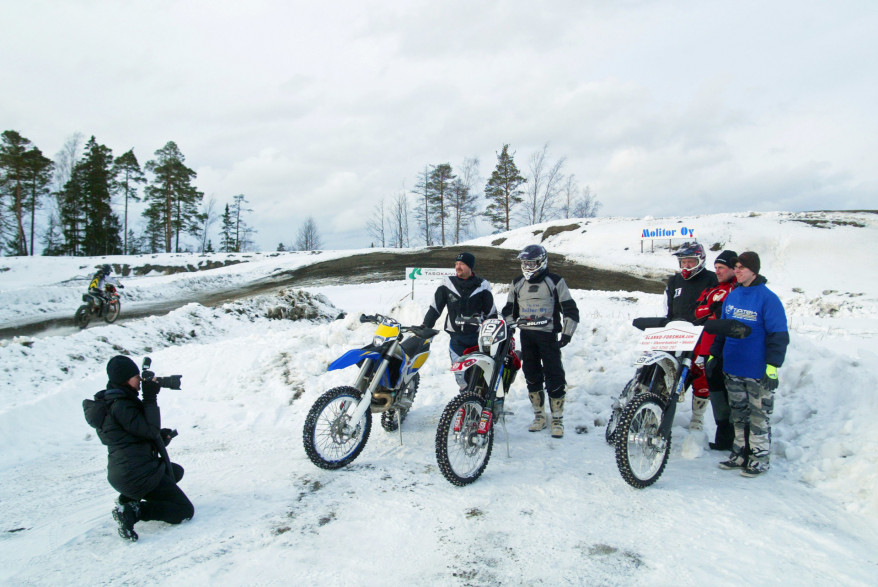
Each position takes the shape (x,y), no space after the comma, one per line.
(682,232)
(676,336)
(427,273)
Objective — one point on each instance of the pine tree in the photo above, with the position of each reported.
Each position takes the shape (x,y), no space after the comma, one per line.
(439,190)
(13,173)
(209,247)
(39,177)
(101,225)
(227,232)
(89,225)
(128,173)
(281,248)
(172,198)
(503,190)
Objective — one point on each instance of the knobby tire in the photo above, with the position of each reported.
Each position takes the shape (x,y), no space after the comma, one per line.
(324,444)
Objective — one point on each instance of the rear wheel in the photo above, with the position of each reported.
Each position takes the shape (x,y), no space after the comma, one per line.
(113,309)
(461,451)
(331,439)
(641,452)
(82,316)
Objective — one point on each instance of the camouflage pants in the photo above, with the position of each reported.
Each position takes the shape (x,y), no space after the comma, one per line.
(751,404)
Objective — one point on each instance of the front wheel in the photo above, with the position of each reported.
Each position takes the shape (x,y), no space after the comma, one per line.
(82,316)
(641,452)
(113,309)
(331,439)
(461,451)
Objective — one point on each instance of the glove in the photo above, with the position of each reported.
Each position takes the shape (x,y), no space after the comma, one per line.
(121,286)
(715,308)
(769,380)
(565,340)
(709,367)
(167,435)
(150,389)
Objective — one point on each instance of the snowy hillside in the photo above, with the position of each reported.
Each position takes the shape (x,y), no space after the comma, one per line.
(555,512)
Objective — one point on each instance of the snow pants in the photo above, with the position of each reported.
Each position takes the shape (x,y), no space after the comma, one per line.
(751,404)
(541,362)
(167,502)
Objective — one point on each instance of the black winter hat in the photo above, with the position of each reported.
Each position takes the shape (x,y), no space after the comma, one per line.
(467,259)
(120,369)
(727,258)
(750,260)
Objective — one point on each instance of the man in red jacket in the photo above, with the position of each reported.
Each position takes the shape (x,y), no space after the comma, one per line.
(709,306)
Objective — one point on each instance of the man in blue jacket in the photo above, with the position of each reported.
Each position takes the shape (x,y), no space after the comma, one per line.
(750,364)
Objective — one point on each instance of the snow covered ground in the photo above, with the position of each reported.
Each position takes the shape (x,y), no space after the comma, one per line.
(555,512)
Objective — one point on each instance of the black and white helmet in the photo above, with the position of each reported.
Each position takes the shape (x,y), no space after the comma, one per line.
(691,250)
(106,270)
(534,260)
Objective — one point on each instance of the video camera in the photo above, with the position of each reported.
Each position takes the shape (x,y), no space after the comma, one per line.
(169,382)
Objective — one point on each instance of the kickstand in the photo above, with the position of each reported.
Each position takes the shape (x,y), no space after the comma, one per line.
(505,433)
(399,425)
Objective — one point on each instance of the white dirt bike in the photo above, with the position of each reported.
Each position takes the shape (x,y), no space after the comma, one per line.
(640,426)
(465,435)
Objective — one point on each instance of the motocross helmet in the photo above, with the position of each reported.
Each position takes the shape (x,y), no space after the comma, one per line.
(106,270)
(534,261)
(691,250)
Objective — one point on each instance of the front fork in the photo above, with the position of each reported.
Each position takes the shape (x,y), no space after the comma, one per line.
(366,400)
(668,417)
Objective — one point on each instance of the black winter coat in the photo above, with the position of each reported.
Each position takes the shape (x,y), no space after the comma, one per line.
(130,428)
(682,294)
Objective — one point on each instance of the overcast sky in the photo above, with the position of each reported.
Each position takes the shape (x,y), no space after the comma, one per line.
(661,107)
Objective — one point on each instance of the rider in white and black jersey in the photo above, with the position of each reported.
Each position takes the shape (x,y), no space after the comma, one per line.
(542,304)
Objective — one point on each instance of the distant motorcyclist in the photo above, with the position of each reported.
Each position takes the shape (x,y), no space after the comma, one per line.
(98,284)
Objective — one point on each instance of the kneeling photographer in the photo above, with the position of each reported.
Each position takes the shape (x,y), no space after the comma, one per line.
(138,466)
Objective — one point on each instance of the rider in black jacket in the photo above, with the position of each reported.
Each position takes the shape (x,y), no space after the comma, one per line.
(137,466)
(464,295)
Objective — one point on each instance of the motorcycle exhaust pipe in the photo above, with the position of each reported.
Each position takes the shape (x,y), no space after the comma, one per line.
(381,401)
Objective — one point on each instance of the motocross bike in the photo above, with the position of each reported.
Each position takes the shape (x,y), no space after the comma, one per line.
(643,434)
(338,424)
(95,307)
(465,436)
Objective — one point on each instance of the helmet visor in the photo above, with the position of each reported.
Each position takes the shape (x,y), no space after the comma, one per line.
(530,264)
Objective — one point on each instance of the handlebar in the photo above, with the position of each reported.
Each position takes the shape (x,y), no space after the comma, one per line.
(420,331)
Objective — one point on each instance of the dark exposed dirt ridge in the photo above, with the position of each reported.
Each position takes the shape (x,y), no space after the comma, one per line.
(495,264)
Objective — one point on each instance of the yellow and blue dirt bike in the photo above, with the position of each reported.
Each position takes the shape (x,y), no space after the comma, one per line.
(338,424)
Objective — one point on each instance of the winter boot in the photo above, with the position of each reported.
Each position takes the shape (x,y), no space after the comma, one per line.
(699,405)
(755,468)
(557,404)
(725,434)
(736,460)
(537,400)
(126,515)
